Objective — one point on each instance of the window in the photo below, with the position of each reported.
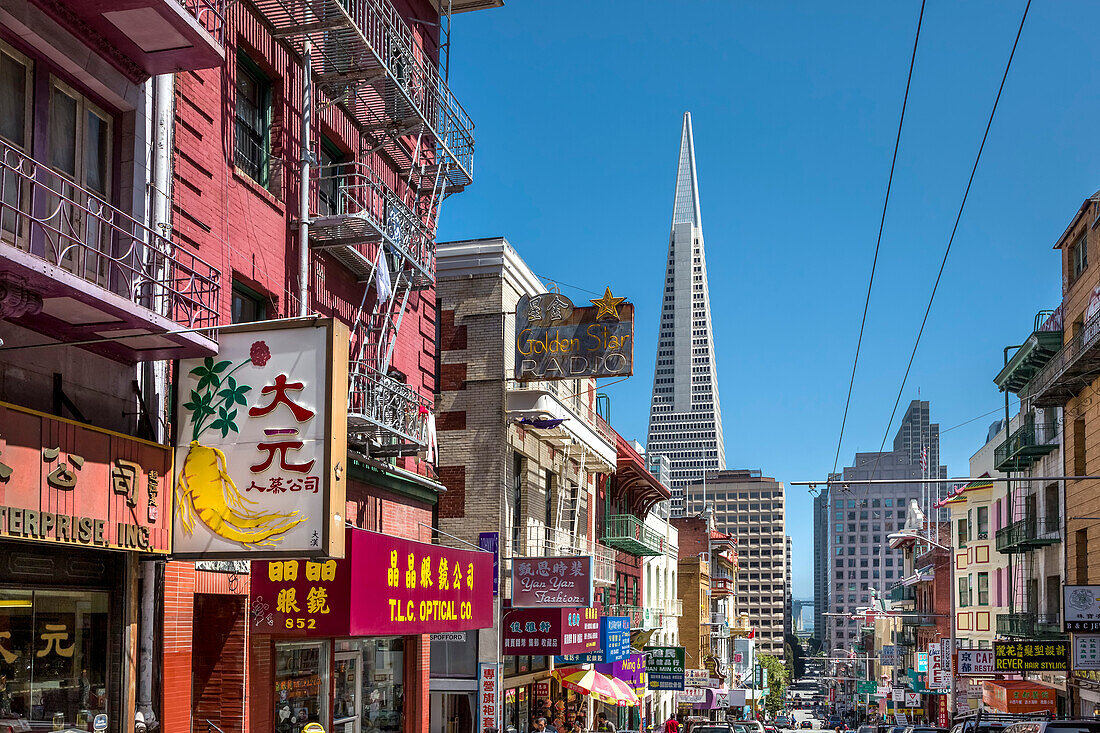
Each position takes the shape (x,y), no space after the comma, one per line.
(964,591)
(330,180)
(15,97)
(983,523)
(1078,257)
(962,531)
(248,305)
(517,499)
(1079,447)
(983,589)
(253,130)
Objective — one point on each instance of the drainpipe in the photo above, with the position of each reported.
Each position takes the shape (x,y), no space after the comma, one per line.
(154,374)
(303,181)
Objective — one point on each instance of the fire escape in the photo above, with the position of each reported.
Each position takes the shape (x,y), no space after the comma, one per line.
(368,60)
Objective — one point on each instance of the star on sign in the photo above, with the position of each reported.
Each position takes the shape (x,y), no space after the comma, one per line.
(608,305)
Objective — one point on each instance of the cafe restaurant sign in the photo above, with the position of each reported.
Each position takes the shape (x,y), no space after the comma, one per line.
(262,443)
(549,631)
(555,340)
(385,585)
(68,483)
(552,582)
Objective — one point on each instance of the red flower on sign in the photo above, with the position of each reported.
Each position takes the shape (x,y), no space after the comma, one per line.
(259,353)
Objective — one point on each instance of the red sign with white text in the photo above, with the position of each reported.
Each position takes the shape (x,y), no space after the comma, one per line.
(551,631)
(400,587)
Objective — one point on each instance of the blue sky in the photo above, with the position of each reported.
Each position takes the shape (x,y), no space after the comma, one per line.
(578,108)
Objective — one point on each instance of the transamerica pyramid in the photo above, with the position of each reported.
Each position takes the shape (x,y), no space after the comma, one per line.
(685,418)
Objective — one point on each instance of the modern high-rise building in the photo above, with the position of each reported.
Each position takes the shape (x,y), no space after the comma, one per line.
(861,517)
(750,507)
(685,419)
(821,563)
(788,605)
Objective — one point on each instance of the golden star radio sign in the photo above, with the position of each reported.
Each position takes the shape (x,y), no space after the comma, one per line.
(556,340)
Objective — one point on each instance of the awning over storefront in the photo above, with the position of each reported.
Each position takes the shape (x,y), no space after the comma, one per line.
(634,482)
(1019,696)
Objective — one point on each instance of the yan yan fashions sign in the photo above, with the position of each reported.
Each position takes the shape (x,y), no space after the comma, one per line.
(385,585)
(552,582)
(262,443)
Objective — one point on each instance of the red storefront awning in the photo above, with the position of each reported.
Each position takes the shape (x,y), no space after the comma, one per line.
(385,585)
(1019,696)
(633,480)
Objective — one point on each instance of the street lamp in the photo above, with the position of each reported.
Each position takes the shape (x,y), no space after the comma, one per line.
(913,535)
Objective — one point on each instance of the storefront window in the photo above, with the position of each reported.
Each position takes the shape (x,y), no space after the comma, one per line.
(455,658)
(381,697)
(301,695)
(53,656)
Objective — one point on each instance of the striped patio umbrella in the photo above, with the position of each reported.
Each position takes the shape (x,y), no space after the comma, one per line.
(601,687)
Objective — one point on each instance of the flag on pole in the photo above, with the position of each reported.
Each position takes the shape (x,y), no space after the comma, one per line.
(924,458)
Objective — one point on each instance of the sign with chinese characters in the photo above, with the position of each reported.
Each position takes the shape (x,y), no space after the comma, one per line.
(552,582)
(1029,656)
(947,658)
(1082,608)
(550,631)
(1086,652)
(614,643)
(488,693)
(69,483)
(631,670)
(882,691)
(490,542)
(696,677)
(385,585)
(555,340)
(692,696)
(922,661)
(262,443)
(976,662)
(888,655)
(1018,696)
(665,667)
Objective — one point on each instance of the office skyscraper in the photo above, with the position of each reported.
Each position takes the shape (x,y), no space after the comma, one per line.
(685,419)
(821,563)
(863,515)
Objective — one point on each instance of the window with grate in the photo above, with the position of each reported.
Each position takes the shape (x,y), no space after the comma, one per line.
(253,129)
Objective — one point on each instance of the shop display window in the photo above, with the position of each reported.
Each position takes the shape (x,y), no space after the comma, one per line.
(53,656)
(301,692)
(380,699)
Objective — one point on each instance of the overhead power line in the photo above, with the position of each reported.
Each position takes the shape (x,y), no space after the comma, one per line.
(958,218)
(878,240)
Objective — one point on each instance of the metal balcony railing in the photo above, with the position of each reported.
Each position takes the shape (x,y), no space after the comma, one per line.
(913,620)
(902,594)
(542,541)
(907,636)
(71,227)
(1030,625)
(351,207)
(718,619)
(1025,446)
(630,534)
(384,409)
(368,59)
(210,14)
(1028,534)
(1058,379)
(636,614)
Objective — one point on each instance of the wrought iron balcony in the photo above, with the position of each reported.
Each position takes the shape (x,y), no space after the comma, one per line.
(636,614)
(1067,372)
(902,594)
(1030,625)
(1025,446)
(914,620)
(353,211)
(367,58)
(389,414)
(541,541)
(1028,534)
(1041,345)
(83,268)
(630,534)
(907,636)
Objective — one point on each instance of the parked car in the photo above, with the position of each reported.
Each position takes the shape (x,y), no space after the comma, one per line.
(866,729)
(807,724)
(924,729)
(721,728)
(1055,726)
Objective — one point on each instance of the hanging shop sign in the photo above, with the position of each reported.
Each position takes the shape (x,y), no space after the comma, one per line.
(552,582)
(1029,656)
(1082,608)
(666,667)
(696,678)
(68,483)
(555,340)
(976,661)
(1018,696)
(888,655)
(614,643)
(262,443)
(385,585)
(490,542)
(488,695)
(692,696)
(632,671)
(937,676)
(1086,652)
(922,661)
(550,631)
